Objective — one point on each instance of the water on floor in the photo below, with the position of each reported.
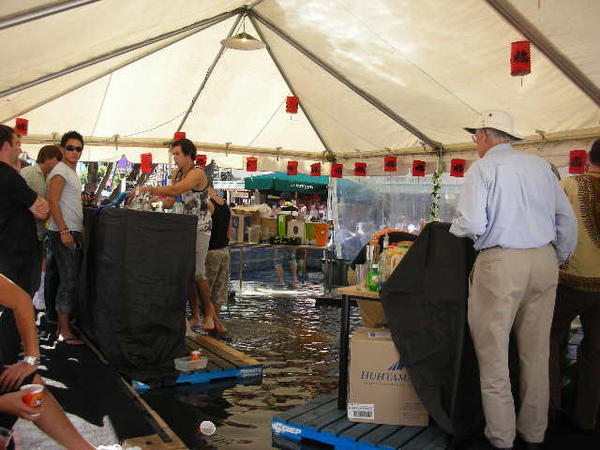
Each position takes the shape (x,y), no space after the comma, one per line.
(297,342)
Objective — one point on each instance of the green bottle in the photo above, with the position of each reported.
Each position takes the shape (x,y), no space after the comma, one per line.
(373,277)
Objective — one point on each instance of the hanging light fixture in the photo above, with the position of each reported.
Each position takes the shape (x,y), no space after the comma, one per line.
(243,40)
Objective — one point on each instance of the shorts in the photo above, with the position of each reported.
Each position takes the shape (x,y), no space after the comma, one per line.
(202,241)
(285,256)
(217,275)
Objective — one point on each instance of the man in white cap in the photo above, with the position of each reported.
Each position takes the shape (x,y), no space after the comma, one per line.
(513,208)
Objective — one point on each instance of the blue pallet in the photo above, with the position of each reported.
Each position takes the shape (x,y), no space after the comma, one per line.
(224,363)
(320,421)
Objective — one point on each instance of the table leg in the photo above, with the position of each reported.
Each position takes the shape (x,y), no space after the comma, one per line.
(241,267)
(344,344)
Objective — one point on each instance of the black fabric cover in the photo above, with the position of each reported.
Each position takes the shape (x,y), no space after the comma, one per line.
(425,302)
(135,279)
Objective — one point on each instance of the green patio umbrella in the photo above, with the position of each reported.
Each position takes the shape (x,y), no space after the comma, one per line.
(281,182)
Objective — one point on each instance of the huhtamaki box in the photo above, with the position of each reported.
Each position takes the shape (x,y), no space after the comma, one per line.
(380,388)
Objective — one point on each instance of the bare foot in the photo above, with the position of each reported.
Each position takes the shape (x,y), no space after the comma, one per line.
(209,323)
(194,321)
(219,327)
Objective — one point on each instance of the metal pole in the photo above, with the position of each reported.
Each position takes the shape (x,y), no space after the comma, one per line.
(344,343)
(334,73)
(290,85)
(564,64)
(128,48)
(208,73)
(40,13)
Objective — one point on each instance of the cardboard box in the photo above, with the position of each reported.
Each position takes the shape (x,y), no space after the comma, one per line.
(295,229)
(242,218)
(380,388)
(268,228)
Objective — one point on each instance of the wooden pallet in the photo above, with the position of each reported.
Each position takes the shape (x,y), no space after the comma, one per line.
(320,421)
(224,363)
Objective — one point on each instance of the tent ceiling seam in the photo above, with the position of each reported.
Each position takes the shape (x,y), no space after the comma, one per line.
(209,73)
(102,104)
(118,52)
(564,64)
(328,150)
(40,13)
(334,73)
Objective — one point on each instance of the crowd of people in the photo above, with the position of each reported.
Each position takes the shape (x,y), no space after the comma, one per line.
(534,234)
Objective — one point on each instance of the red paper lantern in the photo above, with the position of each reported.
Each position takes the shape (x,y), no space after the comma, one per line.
(457,168)
(337,170)
(146,162)
(418,168)
(292,168)
(201,161)
(520,58)
(291,104)
(390,164)
(179,135)
(21,126)
(577,159)
(315,170)
(360,169)
(251,164)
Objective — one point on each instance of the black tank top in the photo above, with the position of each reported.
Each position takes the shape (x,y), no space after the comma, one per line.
(220,226)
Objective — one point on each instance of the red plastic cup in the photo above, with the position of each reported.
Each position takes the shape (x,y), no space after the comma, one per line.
(195,355)
(34,397)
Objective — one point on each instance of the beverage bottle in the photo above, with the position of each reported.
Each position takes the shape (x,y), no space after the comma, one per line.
(373,277)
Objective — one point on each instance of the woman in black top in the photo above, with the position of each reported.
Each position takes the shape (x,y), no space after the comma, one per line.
(217,258)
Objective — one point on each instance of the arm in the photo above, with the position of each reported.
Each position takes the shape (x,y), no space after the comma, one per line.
(56,184)
(27,197)
(15,298)
(192,179)
(471,217)
(566,225)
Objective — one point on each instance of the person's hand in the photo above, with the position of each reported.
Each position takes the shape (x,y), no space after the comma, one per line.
(40,208)
(13,375)
(13,404)
(67,240)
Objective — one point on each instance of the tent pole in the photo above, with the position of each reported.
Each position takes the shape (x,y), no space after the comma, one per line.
(120,51)
(35,14)
(334,73)
(290,85)
(106,72)
(564,64)
(209,72)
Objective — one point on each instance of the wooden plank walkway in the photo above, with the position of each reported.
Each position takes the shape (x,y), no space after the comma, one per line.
(224,363)
(320,421)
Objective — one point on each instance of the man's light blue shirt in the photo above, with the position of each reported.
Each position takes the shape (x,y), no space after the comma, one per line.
(511,199)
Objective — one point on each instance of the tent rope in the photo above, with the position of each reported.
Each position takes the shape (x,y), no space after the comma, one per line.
(268,122)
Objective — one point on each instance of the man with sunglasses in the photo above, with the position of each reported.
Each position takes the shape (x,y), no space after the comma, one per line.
(65,235)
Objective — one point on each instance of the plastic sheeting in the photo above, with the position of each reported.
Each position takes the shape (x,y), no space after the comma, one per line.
(361,206)
(134,310)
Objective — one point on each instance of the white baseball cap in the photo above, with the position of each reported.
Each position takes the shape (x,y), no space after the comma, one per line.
(498,120)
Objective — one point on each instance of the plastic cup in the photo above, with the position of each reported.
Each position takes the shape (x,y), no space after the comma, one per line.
(34,397)
(195,355)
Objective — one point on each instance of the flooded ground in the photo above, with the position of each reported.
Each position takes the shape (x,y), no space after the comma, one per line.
(296,341)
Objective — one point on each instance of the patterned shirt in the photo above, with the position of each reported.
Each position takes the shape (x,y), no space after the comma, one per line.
(195,203)
(582,270)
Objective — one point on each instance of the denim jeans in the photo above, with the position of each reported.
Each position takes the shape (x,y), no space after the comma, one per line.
(61,280)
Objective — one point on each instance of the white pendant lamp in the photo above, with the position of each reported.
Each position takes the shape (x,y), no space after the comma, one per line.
(243,40)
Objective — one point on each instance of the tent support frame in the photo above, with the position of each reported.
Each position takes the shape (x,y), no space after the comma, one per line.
(40,13)
(334,73)
(564,64)
(197,26)
(291,86)
(209,73)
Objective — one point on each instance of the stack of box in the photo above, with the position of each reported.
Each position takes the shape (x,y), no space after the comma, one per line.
(380,388)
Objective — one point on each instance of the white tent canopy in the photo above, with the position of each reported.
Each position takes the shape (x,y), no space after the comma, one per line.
(373,77)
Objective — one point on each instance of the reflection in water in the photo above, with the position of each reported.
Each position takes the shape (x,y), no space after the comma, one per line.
(296,341)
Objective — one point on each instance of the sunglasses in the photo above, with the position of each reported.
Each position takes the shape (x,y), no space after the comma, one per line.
(73,148)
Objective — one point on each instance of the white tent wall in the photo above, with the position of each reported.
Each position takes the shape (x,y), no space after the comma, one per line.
(371,76)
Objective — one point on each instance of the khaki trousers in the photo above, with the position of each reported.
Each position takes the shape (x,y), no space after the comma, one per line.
(513,289)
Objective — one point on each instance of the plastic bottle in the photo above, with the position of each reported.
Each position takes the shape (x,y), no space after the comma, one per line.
(373,278)
(178,205)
